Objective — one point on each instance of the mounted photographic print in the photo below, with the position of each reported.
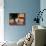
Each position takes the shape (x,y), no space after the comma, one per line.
(17,18)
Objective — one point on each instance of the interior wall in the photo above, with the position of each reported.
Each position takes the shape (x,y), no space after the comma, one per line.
(29,7)
(1,21)
(43,6)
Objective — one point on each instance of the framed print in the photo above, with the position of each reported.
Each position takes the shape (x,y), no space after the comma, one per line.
(17,18)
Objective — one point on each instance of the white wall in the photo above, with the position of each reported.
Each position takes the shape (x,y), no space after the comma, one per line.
(43,6)
(1,21)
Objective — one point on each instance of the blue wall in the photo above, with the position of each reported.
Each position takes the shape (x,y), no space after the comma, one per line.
(14,33)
